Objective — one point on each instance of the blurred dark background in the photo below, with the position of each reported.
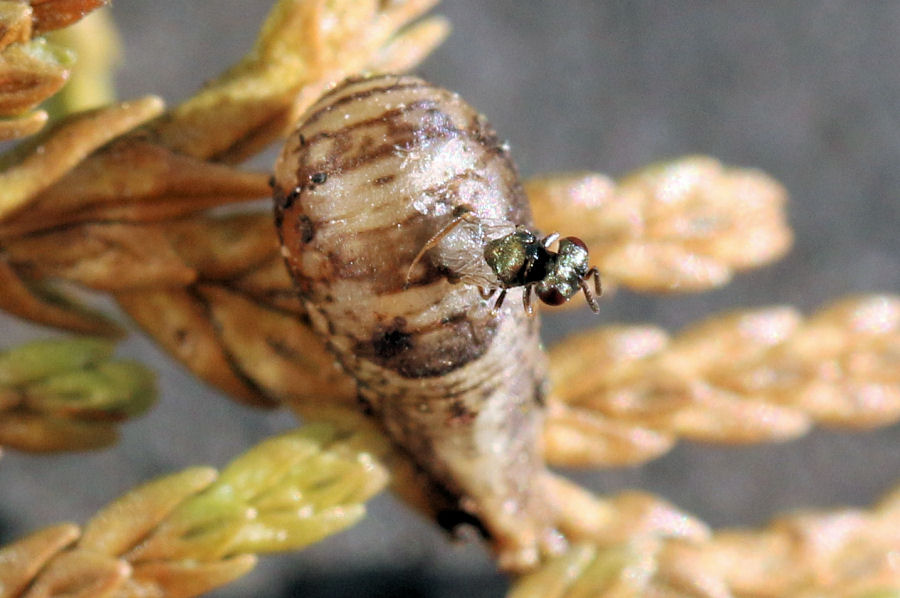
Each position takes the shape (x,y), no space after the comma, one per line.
(808,91)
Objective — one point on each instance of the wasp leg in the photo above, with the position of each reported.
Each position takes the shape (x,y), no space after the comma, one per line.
(464,214)
(486,293)
(526,299)
(496,309)
(592,297)
(549,240)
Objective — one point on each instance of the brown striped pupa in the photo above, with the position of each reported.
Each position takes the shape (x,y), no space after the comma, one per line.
(380,170)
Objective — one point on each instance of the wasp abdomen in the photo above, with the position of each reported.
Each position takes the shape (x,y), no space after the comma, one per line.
(375,169)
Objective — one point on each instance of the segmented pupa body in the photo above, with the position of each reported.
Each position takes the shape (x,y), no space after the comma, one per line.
(375,169)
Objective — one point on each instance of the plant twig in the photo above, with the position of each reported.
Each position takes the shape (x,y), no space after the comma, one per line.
(68,394)
(827,554)
(625,394)
(189,532)
(683,225)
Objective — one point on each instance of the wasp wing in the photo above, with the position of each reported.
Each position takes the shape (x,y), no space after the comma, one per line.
(461,251)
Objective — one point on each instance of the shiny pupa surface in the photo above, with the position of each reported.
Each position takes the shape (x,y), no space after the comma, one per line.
(374,170)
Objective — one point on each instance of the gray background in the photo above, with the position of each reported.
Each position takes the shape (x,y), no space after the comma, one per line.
(807,91)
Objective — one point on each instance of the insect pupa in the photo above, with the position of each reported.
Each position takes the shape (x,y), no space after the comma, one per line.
(377,170)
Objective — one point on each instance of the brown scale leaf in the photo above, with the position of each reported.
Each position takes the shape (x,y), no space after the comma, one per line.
(237,340)
(751,376)
(282,353)
(224,247)
(30,72)
(180,322)
(120,256)
(39,164)
(56,14)
(107,257)
(683,225)
(21,561)
(35,302)
(271,285)
(234,340)
(22,126)
(135,180)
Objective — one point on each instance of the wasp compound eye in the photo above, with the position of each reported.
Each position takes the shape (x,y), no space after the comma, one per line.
(552,296)
(577,242)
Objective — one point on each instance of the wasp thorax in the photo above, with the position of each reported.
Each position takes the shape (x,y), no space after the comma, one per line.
(513,258)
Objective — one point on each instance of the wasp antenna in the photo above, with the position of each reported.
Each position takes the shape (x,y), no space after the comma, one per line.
(549,240)
(592,297)
(597,286)
(465,214)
